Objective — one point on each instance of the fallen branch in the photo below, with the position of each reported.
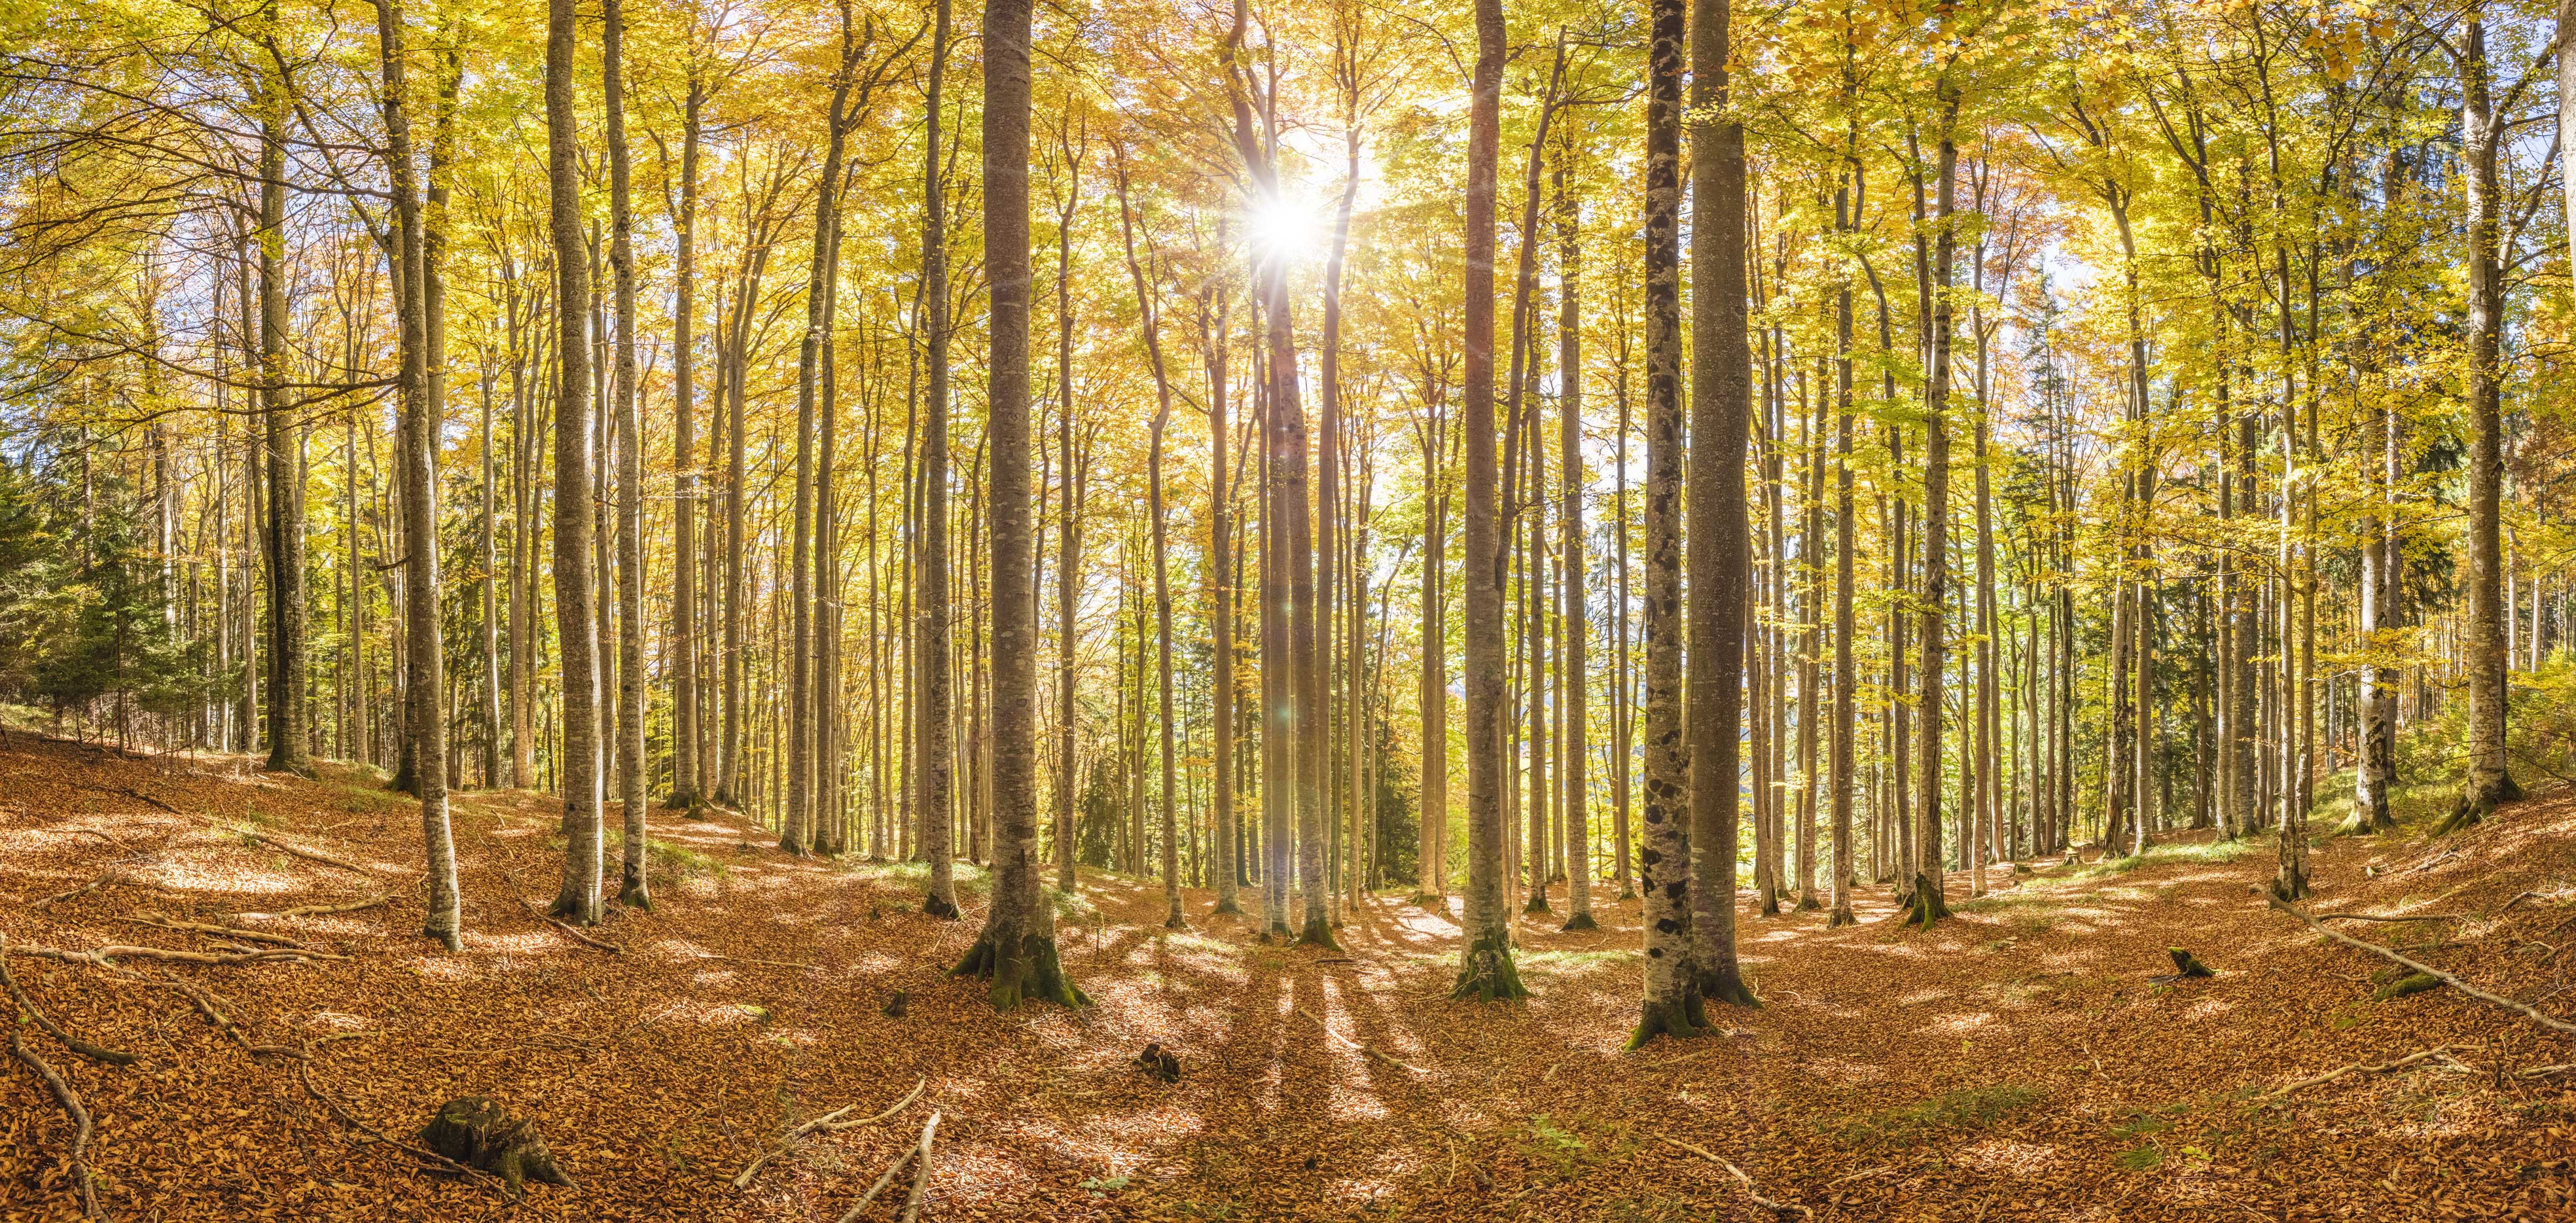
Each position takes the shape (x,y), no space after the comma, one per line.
(2355,1068)
(94,1053)
(162,921)
(76,1160)
(1740,1178)
(880,1186)
(2426,969)
(113,875)
(921,1171)
(830,1122)
(316,910)
(2395,918)
(309,855)
(206,1007)
(550,919)
(129,792)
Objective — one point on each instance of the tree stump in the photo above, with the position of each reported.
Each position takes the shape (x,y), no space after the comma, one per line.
(474,1131)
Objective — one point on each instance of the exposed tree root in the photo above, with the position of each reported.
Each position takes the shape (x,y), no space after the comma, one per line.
(1740,1178)
(1924,904)
(94,1053)
(2476,804)
(309,855)
(162,921)
(2425,969)
(107,956)
(1036,973)
(76,1159)
(113,875)
(318,910)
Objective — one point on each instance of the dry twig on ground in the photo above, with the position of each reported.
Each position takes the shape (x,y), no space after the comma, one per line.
(2426,969)
(1740,1178)
(827,1123)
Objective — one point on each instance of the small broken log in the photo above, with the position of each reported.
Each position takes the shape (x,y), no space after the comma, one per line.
(2413,983)
(899,1005)
(476,1132)
(2186,965)
(1160,1063)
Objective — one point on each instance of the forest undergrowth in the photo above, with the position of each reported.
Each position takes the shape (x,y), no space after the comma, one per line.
(2019,1061)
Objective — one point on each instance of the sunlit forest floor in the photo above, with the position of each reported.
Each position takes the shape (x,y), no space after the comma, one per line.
(2015,1063)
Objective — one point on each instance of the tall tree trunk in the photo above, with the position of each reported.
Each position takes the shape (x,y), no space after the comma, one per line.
(1485,968)
(934,761)
(1846,675)
(2489,781)
(288,750)
(576,627)
(1928,905)
(1719,549)
(420,423)
(1573,675)
(1150,316)
(630,467)
(688,741)
(1017,947)
(1664,866)
(1220,590)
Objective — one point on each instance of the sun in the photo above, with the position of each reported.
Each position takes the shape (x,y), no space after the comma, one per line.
(1281,227)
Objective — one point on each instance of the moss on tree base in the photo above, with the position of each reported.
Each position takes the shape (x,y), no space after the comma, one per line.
(1318,933)
(1580,921)
(1486,972)
(1841,916)
(1723,987)
(1663,1019)
(1034,974)
(1924,904)
(2478,802)
(939,906)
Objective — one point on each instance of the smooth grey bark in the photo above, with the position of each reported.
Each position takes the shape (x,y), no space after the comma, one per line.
(1664,862)
(1573,674)
(1017,948)
(1485,968)
(689,741)
(629,431)
(575,624)
(1719,545)
(934,756)
(427,720)
(288,730)
(2490,781)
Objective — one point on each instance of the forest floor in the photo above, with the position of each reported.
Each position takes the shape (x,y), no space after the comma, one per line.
(2016,1062)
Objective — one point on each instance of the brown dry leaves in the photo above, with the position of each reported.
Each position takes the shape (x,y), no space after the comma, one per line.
(2013,1064)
